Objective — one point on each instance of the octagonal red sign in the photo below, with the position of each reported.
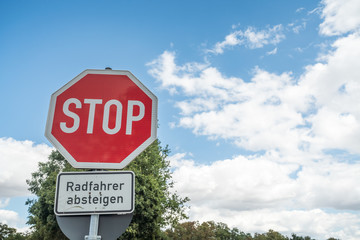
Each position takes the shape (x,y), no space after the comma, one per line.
(102,119)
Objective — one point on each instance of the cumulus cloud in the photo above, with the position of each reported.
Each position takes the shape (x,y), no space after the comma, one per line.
(12,219)
(272,111)
(255,194)
(335,87)
(230,108)
(18,160)
(340,16)
(251,38)
(316,223)
(231,184)
(9,217)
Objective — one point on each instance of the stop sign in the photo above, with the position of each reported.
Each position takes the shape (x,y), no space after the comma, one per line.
(102,119)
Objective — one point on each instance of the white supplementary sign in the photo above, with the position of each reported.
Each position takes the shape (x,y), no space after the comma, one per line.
(85,193)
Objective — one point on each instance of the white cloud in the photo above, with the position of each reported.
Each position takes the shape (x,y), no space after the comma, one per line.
(251,38)
(329,184)
(315,223)
(229,108)
(300,10)
(225,184)
(340,16)
(169,74)
(227,191)
(18,160)
(13,220)
(273,111)
(272,52)
(230,184)
(4,202)
(316,10)
(8,217)
(335,86)
(298,28)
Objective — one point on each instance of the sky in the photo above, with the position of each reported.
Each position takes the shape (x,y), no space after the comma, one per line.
(258,101)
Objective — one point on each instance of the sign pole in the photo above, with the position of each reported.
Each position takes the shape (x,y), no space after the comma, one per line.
(94,226)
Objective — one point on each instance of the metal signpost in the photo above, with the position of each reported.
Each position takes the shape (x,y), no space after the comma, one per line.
(102,119)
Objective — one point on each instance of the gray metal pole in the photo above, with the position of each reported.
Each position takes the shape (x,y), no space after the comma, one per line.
(94,226)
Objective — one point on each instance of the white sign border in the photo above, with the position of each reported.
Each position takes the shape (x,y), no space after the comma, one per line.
(101,165)
(76,213)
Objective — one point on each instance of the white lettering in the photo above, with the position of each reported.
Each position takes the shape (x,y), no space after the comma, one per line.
(72,115)
(130,117)
(107,116)
(92,103)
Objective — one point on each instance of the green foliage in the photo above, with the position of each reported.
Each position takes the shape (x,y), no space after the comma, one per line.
(270,235)
(10,233)
(155,205)
(205,230)
(220,231)
(43,185)
(6,231)
(294,237)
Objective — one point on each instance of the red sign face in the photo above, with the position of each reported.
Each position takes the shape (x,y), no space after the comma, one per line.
(102,119)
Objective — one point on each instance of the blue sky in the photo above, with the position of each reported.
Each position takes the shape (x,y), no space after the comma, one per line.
(258,101)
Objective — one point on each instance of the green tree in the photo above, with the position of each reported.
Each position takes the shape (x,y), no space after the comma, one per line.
(6,231)
(43,183)
(270,235)
(236,234)
(205,230)
(192,231)
(10,233)
(184,231)
(295,237)
(155,205)
(222,231)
